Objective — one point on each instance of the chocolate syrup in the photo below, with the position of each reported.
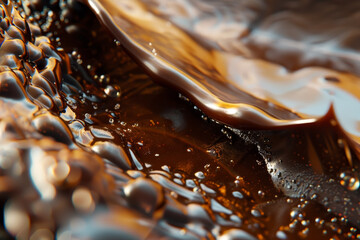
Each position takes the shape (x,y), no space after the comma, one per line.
(263,64)
(92,148)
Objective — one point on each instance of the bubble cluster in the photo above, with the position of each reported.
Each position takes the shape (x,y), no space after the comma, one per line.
(92,148)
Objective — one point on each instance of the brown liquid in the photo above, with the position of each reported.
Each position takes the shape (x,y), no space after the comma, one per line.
(269,65)
(93,148)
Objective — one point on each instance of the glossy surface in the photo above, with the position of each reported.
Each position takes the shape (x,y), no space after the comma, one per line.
(264,64)
(92,148)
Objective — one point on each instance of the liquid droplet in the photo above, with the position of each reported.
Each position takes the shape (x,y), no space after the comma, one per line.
(257,213)
(200,175)
(112,91)
(349,180)
(261,193)
(281,235)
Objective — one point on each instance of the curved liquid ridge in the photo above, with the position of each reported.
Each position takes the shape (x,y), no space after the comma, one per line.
(92,148)
(260,64)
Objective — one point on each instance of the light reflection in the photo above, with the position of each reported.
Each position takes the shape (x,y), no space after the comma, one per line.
(255,68)
(150,66)
(17,221)
(40,163)
(82,200)
(58,172)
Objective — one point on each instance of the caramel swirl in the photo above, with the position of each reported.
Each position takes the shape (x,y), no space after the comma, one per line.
(262,64)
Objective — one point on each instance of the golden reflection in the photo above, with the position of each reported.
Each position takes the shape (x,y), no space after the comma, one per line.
(212,76)
(82,200)
(17,221)
(58,172)
(40,164)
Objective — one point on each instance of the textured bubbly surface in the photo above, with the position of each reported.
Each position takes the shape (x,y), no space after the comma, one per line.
(92,148)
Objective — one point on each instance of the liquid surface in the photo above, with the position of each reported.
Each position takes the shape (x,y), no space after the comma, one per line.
(262,64)
(92,148)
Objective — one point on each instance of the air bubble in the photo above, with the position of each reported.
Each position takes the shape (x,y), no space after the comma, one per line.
(178,181)
(293,224)
(294,213)
(166,168)
(238,194)
(257,213)
(349,180)
(314,196)
(117,106)
(112,91)
(304,233)
(281,235)
(199,175)
(305,222)
(144,195)
(237,183)
(261,194)
(190,183)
